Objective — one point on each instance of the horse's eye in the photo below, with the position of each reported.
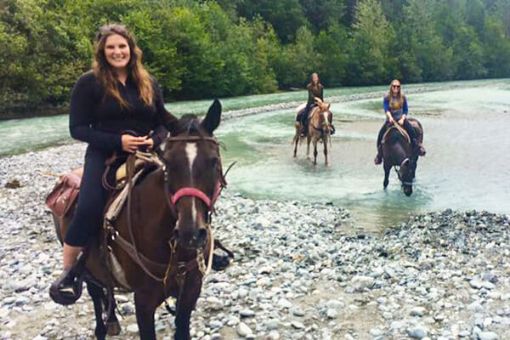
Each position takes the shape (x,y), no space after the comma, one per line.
(213,161)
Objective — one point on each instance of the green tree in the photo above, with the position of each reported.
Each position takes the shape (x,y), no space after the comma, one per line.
(424,56)
(297,61)
(332,48)
(321,14)
(286,16)
(372,59)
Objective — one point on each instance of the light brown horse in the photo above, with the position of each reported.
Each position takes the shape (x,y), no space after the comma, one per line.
(319,129)
(166,226)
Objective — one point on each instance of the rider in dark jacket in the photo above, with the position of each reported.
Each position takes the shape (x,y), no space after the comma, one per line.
(315,90)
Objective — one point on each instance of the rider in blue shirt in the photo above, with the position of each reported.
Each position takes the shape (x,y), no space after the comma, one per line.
(395,108)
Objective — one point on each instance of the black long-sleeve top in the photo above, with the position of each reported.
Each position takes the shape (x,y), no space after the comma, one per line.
(99,120)
(313,92)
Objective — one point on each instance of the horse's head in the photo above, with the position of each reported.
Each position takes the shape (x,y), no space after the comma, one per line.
(193,175)
(406,176)
(325,115)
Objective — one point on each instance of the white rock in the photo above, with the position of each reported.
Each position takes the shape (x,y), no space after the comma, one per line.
(243,329)
(487,336)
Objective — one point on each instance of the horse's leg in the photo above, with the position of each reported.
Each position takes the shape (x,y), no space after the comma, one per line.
(325,141)
(146,303)
(387,169)
(315,151)
(185,305)
(97,295)
(308,141)
(296,140)
(112,324)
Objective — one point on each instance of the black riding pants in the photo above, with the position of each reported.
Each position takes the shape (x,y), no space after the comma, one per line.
(88,216)
(305,113)
(407,126)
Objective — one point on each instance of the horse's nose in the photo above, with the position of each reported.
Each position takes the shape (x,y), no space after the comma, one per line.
(191,239)
(200,237)
(408,191)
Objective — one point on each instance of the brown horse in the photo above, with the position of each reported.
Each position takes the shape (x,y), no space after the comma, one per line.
(397,152)
(319,129)
(161,243)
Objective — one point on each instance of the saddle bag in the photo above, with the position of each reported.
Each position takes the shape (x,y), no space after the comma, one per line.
(64,194)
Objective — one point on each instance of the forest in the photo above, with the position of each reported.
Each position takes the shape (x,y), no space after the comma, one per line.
(223,48)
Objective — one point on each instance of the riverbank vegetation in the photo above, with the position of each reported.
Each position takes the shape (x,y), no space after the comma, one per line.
(202,49)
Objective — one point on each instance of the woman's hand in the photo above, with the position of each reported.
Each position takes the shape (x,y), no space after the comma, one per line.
(131,143)
(390,117)
(149,142)
(401,120)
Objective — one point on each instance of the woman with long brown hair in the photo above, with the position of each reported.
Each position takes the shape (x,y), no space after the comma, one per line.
(315,90)
(395,108)
(115,108)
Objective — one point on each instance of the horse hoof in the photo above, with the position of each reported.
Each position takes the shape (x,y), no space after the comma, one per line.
(112,328)
(220,262)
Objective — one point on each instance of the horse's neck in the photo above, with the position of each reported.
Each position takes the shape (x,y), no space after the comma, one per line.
(398,144)
(315,116)
(153,203)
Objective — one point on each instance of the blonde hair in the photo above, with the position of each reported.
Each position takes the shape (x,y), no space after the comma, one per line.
(400,96)
(105,74)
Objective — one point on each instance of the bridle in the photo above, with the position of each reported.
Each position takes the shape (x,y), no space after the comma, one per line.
(209,202)
(397,170)
(181,267)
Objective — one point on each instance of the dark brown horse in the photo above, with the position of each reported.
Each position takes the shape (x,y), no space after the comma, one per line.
(161,242)
(319,129)
(397,152)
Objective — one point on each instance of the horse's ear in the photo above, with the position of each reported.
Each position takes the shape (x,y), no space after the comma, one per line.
(405,162)
(213,117)
(329,105)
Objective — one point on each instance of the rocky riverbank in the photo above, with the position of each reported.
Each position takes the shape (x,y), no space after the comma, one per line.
(299,273)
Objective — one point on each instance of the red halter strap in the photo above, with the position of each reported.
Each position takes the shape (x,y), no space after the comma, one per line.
(194,192)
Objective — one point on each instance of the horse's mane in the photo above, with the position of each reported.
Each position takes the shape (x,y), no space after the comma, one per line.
(189,124)
(393,136)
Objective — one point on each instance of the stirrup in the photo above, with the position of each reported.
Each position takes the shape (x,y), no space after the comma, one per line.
(67,289)
(378,159)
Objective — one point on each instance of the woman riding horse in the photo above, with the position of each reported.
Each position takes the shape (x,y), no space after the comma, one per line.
(116,96)
(315,90)
(395,107)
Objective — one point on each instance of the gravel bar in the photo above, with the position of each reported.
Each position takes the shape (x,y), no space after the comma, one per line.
(299,272)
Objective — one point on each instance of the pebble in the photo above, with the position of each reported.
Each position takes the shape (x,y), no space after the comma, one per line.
(418,311)
(487,336)
(297,325)
(132,328)
(243,330)
(417,332)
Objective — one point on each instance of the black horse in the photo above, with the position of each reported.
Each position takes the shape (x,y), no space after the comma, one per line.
(398,153)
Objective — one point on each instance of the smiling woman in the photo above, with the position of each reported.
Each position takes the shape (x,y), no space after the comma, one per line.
(117,53)
(115,108)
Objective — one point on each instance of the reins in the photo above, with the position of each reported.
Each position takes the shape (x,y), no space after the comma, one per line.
(130,247)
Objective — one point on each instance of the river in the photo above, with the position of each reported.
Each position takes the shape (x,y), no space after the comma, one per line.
(466,135)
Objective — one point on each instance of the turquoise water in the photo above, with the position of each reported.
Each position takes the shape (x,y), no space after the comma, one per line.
(466,135)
